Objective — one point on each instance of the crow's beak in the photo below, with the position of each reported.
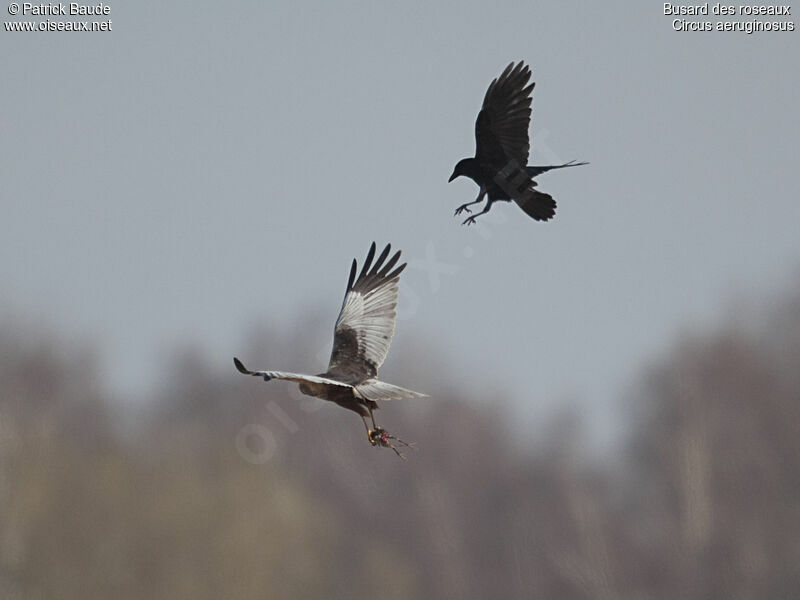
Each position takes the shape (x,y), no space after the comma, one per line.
(453,176)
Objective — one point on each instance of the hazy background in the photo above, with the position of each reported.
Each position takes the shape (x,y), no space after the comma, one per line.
(193,185)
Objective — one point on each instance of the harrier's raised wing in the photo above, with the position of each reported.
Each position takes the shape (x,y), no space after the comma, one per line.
(501,130)
(365,325)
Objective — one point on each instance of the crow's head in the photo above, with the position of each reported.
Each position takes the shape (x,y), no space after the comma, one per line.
(462,168)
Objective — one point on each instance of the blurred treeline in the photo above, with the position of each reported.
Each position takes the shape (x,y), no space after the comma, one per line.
(701,501)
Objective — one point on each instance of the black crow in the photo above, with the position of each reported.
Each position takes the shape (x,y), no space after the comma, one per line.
(502,146)
(361,341)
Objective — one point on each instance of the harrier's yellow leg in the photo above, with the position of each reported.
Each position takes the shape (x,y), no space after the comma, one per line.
(369,431)
(371,416)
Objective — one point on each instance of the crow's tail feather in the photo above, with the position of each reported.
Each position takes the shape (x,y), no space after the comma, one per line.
(538,205)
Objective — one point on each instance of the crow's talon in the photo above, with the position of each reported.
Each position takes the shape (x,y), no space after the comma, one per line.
(469,221)
(461,209)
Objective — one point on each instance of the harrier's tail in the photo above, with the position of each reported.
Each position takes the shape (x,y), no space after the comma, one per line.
(373,389)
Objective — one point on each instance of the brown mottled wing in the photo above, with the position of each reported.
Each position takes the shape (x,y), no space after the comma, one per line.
(501,130)
(366,322)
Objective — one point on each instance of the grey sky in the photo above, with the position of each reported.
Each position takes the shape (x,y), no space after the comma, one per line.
(202,168)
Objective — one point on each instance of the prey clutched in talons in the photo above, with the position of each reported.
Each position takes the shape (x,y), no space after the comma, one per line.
(381,437)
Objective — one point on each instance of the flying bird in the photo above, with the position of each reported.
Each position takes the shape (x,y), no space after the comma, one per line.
(501,149)
(361,341)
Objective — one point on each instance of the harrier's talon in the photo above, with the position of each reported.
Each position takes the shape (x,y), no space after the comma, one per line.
(381,437)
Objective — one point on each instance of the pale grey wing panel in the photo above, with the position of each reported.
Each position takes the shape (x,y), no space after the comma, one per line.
(300,378)
(296,377)
(372,389)
(371,316)
(366,322)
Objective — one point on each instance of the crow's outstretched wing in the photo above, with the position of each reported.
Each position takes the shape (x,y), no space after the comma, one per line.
(366,322)
(296,377)
(501,130)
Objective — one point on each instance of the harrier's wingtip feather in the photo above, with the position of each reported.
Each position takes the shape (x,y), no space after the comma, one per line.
(380,260)
(388,266)
(352,278)
(240,366)
(367,261)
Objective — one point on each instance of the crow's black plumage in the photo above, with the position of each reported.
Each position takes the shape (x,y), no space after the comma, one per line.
(501,149)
